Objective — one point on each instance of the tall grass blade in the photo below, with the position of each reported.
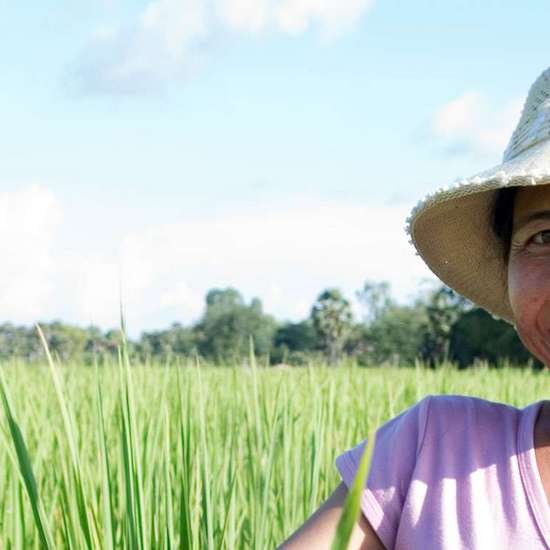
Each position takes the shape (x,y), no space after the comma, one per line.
(79,493)
(185,523)
(109,520)
(168,503)
(207,526)
(350,513)
(25,468)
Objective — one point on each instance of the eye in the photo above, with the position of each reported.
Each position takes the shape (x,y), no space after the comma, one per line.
(541,238)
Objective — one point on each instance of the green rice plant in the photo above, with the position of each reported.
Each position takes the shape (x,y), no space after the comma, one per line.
(350,513)
(27,474)
(107,492)
(195,456)
(76,501)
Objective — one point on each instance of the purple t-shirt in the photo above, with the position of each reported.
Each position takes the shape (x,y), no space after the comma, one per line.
(455,472)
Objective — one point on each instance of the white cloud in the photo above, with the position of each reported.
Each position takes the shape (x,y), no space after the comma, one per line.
(470,123)
(91,290)
(285,255)
(29,218)
(334,17)
(251,16)
(163,43)
(292,16)
(167,40)
(174,23)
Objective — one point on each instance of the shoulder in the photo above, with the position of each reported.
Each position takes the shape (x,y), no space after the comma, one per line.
(469,424)
(450,413)
(464,409)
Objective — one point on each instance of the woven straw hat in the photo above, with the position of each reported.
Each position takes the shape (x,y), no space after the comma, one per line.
(451,229)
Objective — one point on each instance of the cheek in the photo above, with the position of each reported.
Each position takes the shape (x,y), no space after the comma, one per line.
(529,293)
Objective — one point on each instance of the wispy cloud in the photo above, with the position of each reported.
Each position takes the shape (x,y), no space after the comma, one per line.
(169,39)
(292,16)
(472,124)
(162,44)
(285,255)
(29,219)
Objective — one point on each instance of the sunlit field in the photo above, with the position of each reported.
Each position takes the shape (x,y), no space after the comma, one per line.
(189,456)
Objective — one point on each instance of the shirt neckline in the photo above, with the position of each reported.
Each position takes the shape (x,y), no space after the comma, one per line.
(530,474)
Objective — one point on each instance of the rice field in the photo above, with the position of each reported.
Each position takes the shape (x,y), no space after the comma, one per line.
(192,456)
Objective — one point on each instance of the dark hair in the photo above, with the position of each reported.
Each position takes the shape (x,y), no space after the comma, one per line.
(503,218)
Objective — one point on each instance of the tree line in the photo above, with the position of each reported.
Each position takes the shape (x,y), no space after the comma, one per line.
(439,326)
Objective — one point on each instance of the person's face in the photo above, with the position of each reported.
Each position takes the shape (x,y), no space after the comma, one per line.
(529,269)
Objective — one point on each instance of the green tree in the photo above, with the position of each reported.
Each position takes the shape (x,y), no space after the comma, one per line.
(375,297)
(223,299)
(20,342)
(295,343)
(333,320)
(478,336)
(397,334)
(165,344)
(224,332)
(65,341)
(443,307)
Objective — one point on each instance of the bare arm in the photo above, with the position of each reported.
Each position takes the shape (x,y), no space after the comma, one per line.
(318,531)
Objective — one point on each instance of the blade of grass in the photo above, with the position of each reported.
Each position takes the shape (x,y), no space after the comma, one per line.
(350,513)
(81,502)
(131,455)
(185,524)
(169,514)
(109,520)
(207,525)
(25,468)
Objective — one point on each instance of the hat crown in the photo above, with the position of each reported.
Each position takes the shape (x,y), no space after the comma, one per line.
(534,123)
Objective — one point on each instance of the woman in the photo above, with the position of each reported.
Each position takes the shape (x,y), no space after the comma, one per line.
(455,472)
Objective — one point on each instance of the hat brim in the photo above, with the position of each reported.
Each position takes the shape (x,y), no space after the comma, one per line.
(452,232)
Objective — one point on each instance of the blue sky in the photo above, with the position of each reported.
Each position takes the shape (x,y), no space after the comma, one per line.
(273,145)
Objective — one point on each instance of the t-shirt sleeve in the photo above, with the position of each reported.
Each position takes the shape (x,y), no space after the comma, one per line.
(396,447)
